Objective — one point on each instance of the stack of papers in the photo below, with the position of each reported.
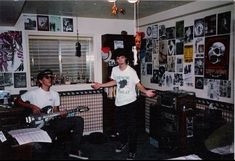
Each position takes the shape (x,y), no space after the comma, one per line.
(29,135)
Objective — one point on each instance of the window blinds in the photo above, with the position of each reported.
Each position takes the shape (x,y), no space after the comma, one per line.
(59,56)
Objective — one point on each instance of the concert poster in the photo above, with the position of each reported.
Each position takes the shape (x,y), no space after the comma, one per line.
(217,57)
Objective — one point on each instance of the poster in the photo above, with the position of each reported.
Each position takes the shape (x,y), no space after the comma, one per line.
(188,53)
(43,23)
(68,24)
(224,25)
(55,23)
(30,22)
(11,51)
(217,57)
(20,80)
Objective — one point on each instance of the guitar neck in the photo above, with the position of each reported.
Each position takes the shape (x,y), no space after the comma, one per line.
(78,109)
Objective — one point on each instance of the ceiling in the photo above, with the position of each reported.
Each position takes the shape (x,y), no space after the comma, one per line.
(10,10)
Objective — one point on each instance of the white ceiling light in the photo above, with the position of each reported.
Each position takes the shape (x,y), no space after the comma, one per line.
(132,1)
(111,0)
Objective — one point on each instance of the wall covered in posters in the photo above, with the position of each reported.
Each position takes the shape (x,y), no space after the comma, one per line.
(192,52)
(11,56)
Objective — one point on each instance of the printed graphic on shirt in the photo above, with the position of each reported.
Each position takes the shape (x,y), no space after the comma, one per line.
(123,84)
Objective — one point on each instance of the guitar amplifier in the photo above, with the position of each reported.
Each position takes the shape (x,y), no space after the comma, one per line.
(171,120)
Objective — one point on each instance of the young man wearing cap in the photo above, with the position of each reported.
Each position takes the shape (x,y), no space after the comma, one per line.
(37,99)
(125,78)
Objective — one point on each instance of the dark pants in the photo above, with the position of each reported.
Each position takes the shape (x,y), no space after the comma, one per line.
(64,126)
(126,124)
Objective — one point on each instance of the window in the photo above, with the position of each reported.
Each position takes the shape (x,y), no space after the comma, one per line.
(58,54)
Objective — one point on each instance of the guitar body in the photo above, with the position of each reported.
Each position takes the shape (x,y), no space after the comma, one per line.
(39,120)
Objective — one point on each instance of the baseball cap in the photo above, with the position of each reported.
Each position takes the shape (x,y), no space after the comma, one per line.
(43,73)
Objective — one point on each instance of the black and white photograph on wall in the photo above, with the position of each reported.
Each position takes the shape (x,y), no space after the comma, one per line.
(188,34)
(149,69)
(199,83)
(11,51)
(149,32)
(8,79)
(162,70)
(20,80)
(170,33)
(199,46)
(155,78)
(225,88)
(171,47)
(162,32)
(212,88)
(55,23)
(30,22)
(155,32)
(171,63)
(2,80)
(155,61)
(179,47)
(199,66)
(148,56)
(188,74)
(179,64)
(149,44)
(178,80)
(163,49)
(199,27)
(43,23)
(224,23)
(179,33)
(68,24)
(217,57)
(143,68)
(210,25)
(155,46)
(169,79)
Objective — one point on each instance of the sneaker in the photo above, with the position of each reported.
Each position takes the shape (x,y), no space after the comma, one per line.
(120,148)
(131,156)
(78,155)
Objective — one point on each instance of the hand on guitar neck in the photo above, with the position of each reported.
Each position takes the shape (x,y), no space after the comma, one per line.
(46,114)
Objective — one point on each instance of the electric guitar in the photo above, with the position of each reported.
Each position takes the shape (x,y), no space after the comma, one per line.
(39,120)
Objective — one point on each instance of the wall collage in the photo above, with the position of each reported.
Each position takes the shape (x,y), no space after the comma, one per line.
(194,57)
(12,67)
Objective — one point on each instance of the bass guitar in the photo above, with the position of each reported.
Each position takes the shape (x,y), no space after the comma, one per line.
(39,120)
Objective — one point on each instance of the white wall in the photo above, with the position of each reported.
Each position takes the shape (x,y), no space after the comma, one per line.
(189,13)
(86,27)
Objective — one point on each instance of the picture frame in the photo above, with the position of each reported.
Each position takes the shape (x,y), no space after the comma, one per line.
(30,22)
(55,23)
(67,24)
(43,23)
(20,80)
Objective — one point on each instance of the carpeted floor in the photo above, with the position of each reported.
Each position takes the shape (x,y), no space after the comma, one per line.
(102,150)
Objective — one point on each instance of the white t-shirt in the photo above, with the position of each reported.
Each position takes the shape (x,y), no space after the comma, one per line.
(42,98)
(126,85)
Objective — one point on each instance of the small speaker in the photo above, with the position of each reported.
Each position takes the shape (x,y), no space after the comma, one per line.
(78,49)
